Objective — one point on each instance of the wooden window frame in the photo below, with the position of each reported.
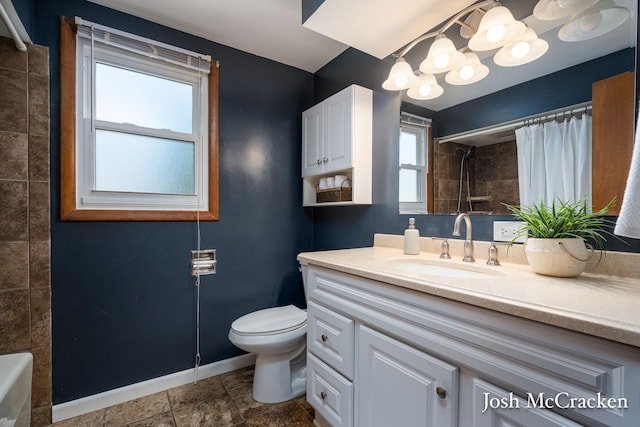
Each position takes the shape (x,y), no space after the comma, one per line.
(69,210)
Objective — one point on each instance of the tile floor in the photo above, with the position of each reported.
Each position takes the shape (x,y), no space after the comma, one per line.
(221,401)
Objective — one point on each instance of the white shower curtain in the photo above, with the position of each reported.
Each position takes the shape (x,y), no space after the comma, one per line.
(554,161)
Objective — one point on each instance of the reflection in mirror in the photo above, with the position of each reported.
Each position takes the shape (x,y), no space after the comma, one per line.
(554,82)
(475,179)
(414,177)
(552,150)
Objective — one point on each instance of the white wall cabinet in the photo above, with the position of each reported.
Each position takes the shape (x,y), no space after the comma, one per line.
(337,139)
(382,355)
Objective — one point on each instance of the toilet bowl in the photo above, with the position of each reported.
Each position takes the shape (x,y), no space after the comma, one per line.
(278,337)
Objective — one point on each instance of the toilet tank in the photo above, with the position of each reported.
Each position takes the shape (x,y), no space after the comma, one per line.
(303,269)
(15,389)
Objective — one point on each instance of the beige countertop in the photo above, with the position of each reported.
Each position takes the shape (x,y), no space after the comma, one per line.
(602,305)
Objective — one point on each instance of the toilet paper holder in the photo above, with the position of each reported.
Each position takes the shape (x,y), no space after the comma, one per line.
(203,262)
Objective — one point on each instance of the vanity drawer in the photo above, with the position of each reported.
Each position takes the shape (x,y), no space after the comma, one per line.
(331,337)
(330,394)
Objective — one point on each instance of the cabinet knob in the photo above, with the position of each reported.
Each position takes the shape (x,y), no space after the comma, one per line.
(442,393)
(319,162)
(324,338)
(325,160)
(323,395)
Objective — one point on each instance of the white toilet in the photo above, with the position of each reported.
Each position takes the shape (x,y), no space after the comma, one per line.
(278,337)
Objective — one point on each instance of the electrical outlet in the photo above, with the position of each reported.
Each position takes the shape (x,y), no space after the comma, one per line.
(505,231)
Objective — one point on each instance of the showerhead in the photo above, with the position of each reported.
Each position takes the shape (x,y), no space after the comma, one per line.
(470,152)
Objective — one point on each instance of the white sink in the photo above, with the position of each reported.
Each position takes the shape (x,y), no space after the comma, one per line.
(443,269)
(15,389)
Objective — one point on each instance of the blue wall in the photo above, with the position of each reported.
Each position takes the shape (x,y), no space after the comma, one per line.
(123,301)
(342,227)
(24,9)
(557,90)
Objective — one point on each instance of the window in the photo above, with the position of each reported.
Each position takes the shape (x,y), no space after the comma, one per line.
(138,128)
(414,163)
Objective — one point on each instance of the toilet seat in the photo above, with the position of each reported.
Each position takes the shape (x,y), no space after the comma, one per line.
(270,321)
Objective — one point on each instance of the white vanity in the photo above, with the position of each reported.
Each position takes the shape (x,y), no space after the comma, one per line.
(402,340)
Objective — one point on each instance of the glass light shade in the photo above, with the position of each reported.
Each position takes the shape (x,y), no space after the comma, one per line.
(427,88)
(497,28)
(526,49)
(470,71)
(442,56)
(595,21)
(550,10)
(400,77)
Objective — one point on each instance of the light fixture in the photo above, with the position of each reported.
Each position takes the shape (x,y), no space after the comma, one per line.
(471,70)
(595,21)
(427,88)
(442,56)
(497,28)
(493,29)
(550,10)
(401,76)
(526,49)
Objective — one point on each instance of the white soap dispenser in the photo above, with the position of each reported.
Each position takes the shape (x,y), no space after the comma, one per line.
(412,239)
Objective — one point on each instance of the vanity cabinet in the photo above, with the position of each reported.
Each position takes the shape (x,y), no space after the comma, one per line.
(383,355)
(337,140)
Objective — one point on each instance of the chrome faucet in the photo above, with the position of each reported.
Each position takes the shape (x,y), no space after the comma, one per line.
(468,243)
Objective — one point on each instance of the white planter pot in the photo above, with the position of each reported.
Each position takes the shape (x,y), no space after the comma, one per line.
(557,257)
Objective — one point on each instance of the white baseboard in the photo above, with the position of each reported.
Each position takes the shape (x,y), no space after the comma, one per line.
(103,400)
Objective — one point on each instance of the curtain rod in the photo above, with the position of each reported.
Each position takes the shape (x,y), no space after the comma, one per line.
(12,29)
(514,124)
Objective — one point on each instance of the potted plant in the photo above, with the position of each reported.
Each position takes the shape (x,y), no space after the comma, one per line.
(556,243)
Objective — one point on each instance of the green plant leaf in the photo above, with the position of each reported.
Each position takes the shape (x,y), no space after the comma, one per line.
(563,220)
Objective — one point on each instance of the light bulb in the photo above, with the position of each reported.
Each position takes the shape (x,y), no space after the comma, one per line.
(466,72)
(520,50)
(441,60)
(496,33)
(591,21)
(424,90)
(401,81)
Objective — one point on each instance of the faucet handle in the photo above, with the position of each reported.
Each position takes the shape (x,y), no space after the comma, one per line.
(444,249)
(493,255)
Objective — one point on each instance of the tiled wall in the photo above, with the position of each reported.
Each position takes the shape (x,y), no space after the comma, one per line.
(25,284)
(496,174)
(493,171)
(446,167)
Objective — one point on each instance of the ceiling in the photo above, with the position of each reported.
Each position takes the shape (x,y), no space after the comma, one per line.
(268,28)
(273,29)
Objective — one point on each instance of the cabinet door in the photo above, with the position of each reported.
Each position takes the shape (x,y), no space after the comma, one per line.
(612,138)
(495,407)
(399,385)
(312,134)
(338,116)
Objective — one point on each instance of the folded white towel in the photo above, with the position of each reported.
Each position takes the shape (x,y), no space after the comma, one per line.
(628,223)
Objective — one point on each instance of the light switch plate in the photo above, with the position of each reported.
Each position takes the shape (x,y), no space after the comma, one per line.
(505,231)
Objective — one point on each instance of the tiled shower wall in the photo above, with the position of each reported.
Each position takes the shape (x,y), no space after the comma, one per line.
(25,283)
(493,171)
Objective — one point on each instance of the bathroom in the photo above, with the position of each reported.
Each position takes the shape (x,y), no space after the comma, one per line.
(122,301)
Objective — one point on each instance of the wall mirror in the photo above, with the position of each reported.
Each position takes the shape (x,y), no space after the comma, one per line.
(484,164)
